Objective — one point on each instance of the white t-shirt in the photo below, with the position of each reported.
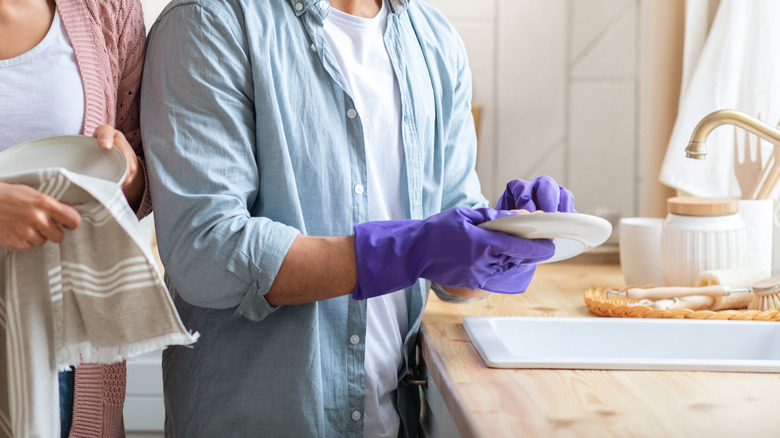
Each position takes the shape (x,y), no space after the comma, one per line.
(41,92)
(358,46)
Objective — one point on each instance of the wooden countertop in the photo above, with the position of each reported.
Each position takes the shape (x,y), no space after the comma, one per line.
(486,402)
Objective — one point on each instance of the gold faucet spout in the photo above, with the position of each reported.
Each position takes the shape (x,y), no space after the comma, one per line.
(697,149)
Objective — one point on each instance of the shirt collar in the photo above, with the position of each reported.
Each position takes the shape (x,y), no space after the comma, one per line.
(397,6)
(301,6)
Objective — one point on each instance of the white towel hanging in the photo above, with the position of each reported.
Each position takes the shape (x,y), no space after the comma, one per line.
(739,68)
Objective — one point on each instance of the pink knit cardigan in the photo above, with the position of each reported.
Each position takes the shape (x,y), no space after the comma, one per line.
(108,38)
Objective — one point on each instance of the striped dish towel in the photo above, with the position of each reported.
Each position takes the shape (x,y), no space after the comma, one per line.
(96,297)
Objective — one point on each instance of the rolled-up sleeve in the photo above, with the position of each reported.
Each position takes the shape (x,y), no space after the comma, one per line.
(198,128)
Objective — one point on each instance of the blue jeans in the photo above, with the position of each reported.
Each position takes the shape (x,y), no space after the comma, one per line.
(67,381)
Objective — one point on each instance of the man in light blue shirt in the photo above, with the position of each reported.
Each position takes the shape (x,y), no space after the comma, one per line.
(312,170)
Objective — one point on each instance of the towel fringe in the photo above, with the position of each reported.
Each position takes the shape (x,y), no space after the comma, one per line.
(85,352)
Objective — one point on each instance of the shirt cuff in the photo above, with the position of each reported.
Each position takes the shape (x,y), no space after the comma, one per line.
(254,305)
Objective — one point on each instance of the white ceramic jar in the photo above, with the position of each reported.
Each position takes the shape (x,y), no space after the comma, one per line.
(701,234)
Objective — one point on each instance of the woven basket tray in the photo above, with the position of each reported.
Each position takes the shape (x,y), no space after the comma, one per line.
(619,307)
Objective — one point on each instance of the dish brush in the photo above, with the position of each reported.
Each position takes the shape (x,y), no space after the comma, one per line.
(767,294)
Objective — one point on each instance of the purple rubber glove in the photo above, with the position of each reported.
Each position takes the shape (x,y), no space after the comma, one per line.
(541,193)
(447,248)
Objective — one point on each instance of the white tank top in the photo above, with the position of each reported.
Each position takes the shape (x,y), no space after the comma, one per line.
(41,93)
(358,46)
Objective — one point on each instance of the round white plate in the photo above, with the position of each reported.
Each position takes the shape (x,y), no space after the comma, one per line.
(77,153)
(572,233)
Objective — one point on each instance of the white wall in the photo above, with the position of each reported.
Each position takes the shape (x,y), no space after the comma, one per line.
(152,9)
(574,89)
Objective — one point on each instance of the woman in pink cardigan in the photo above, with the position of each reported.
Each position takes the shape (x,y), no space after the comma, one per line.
(71,67)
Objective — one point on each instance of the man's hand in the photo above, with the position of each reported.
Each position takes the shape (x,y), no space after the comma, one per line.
(447,248)
(541,193)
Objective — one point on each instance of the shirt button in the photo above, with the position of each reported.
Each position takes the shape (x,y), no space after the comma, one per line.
(313,49)
(298,6)
(323,4)
(351,113)
(359,189)
(354,339)
(356,416)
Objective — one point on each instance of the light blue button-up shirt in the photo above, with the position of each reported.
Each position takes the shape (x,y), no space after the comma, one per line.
(251,137)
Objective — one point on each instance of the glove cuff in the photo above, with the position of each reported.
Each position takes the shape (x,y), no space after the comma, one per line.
(385,257)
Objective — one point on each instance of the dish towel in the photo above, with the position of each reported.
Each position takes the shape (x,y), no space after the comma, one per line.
(96,297)
(738,67)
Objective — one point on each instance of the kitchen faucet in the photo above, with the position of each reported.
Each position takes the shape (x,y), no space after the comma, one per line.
(697,149)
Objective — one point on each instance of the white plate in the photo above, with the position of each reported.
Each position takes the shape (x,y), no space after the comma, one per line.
(77,153)
(626,343)
(572,233)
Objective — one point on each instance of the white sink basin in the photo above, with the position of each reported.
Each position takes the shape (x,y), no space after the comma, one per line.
(626,343)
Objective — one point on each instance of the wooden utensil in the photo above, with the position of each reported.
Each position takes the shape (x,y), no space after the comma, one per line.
(748,170)
(770,163)
(769,176)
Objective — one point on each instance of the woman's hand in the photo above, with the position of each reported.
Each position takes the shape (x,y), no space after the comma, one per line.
(28,218)
(133,186)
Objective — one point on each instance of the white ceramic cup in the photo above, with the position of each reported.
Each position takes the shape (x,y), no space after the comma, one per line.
(639,245)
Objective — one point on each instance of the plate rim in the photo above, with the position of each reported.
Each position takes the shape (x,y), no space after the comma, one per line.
(79,140)
(558,216)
